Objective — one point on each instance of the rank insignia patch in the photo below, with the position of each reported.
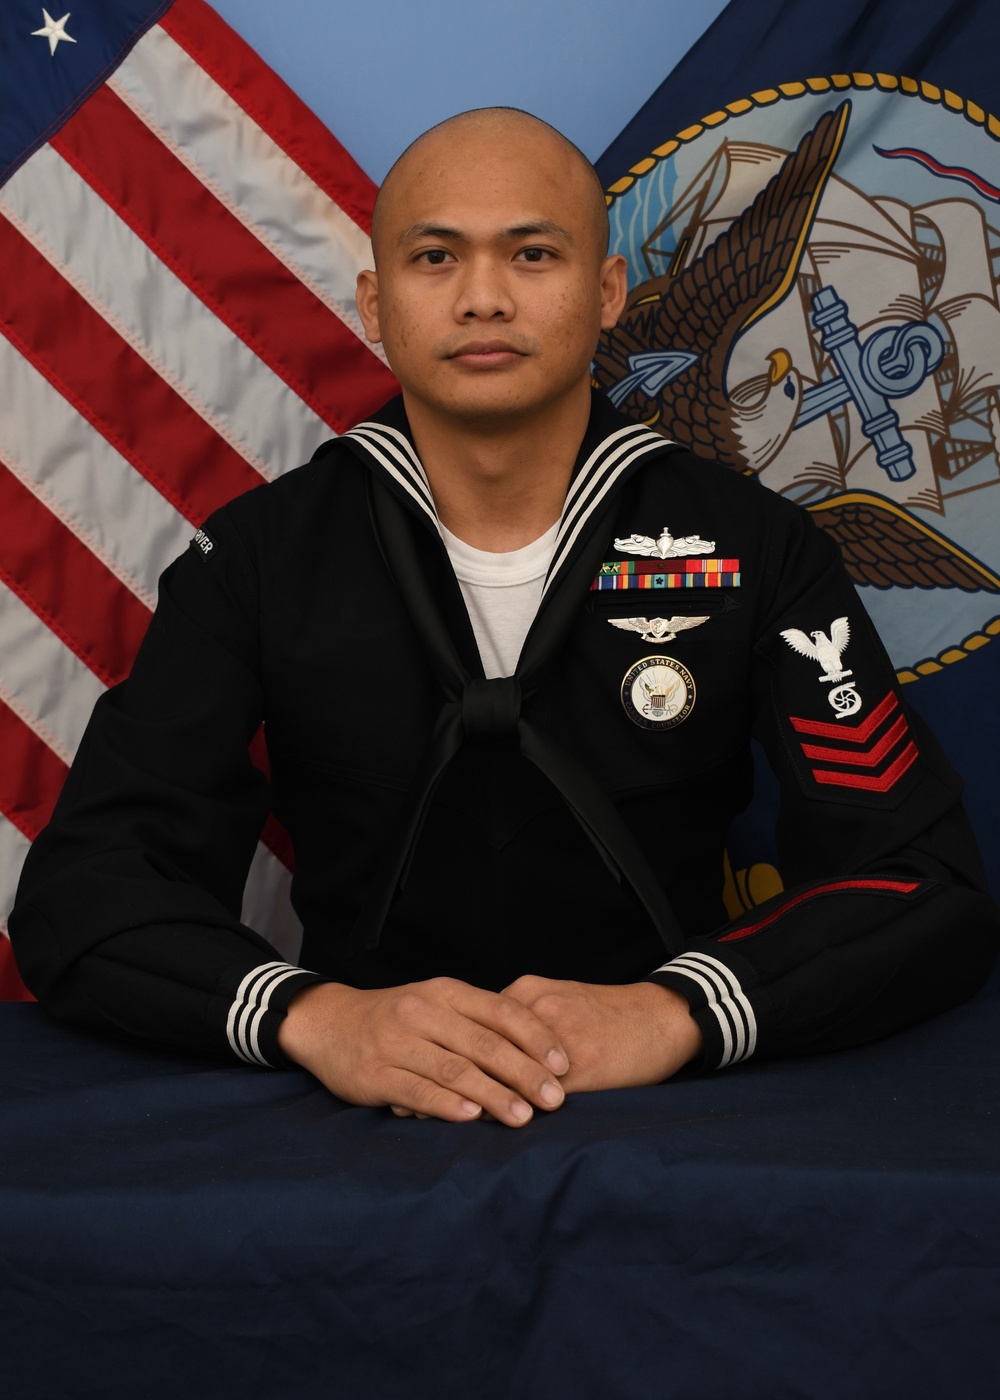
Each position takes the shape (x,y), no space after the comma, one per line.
(871,756)
(827,652)
(658,692)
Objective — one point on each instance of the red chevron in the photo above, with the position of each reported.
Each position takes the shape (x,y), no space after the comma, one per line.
(889,778)
(860,760)
(850,733)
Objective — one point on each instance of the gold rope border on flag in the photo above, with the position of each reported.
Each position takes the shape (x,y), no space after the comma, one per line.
(952,654)
(837,82)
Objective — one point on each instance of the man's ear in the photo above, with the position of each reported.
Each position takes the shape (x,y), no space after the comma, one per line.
(614,289)
(367,299)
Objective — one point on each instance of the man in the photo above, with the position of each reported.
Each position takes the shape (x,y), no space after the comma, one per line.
(508,792)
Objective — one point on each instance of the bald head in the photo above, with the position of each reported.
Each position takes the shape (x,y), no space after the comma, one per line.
(471,136)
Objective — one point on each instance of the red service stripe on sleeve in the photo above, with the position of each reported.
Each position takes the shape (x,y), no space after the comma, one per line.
(850,733)
(838,887)
(860,760)
(11,986)
(889,778)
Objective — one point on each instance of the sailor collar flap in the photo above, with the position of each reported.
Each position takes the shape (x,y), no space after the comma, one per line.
(612,450)
(475,708)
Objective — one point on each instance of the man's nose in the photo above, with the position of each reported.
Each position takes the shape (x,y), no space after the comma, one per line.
(484,293)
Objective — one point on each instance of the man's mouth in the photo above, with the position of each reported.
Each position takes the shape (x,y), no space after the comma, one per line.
(485,354)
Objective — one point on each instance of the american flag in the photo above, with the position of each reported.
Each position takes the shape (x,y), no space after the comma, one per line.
(179,242)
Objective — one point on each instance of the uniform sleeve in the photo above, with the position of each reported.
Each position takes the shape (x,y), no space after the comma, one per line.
(885,918)
(127,914)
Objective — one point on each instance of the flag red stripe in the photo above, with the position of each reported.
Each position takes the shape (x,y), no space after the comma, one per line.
(860,760)
(66,585)
(11,986)
(268,100)
(223,263)
(31,775)
(277,840)
(113,387)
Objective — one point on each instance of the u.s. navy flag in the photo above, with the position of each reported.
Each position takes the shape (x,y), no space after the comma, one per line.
(810,210)
(179,239)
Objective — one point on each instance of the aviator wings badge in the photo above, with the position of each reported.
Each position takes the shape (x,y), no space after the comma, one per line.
(656,629)
(665,546)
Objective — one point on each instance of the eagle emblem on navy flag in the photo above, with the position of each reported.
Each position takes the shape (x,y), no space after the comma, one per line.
(824,313)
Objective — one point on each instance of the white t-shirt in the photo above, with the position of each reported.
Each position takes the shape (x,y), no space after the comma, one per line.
(502,593)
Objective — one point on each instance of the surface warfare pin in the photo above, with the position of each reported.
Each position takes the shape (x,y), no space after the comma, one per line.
(665,546)
(658,692)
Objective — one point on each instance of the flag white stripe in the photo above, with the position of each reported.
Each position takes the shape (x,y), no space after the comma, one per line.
(42,680)
(177,335)
(14,846)
(234,158)
(84,481)
(266,905)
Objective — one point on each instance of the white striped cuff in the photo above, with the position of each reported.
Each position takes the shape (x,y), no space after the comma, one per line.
(251,1005)
(723,996)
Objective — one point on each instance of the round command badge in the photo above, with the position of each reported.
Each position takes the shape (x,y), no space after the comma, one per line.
(658,692)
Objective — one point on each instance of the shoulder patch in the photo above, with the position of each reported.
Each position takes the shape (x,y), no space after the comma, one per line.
(204,542)
(867,760)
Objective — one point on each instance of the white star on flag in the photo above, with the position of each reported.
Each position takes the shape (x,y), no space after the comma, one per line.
(53,30)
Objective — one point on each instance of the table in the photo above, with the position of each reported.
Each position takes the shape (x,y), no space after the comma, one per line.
(821,1228)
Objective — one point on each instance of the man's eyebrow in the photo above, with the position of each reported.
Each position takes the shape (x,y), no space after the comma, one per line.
(544,227)
(431,231)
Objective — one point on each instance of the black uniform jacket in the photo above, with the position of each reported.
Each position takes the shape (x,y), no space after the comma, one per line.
(569,823)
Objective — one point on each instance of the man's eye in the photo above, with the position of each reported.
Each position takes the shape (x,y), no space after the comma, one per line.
(534,254)
(434,256)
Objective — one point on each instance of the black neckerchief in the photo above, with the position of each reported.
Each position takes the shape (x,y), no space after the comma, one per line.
(473,707)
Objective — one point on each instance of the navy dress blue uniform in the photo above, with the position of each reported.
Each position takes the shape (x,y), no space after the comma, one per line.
(569,822)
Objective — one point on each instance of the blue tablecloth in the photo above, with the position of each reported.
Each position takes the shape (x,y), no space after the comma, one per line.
(822,1228)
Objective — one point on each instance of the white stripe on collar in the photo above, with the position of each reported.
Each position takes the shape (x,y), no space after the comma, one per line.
(394,452)
(593,482)
(613,455)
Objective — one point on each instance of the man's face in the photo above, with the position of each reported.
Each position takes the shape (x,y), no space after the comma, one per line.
(492,285)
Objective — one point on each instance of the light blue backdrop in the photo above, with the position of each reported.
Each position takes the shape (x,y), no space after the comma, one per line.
(378,72)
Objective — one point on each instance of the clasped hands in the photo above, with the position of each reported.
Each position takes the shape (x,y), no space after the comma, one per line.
(445,1049)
